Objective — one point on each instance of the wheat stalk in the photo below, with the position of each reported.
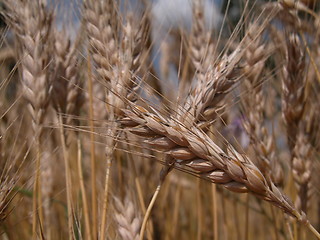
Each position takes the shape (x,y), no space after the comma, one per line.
(32,24)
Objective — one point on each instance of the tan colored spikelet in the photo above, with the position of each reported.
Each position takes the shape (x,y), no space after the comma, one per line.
(298,120)
(61,47)
(118,59)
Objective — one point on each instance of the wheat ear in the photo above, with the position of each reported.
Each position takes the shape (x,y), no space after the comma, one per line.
(200,47)
(254,102)
(193,148)
(127,218)
(293,88)
(32,24)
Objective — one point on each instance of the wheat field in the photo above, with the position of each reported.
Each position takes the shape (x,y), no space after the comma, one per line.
(164,119)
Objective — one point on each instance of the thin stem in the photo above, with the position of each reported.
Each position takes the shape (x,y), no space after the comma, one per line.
(176,211)
(313,230)
(224,213)
(109,157)
(148,212)
(246,235)
(36,189)
(92,154)
(199,209)
(215,213)
(105,197)
(308,224)
(295,229)
(274,222)
(289,228)
(140,196)
(236,218)
(68,180)
(83,193)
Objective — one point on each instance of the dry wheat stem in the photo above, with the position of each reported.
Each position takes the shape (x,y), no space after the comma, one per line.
(109,155)
(68,182)
(83,193)
(92,153)
(148,212)
(139,190)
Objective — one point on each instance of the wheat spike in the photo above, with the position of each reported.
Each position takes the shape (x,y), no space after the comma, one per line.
(127,219)
(193,148)
(254,103)
(293,87)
